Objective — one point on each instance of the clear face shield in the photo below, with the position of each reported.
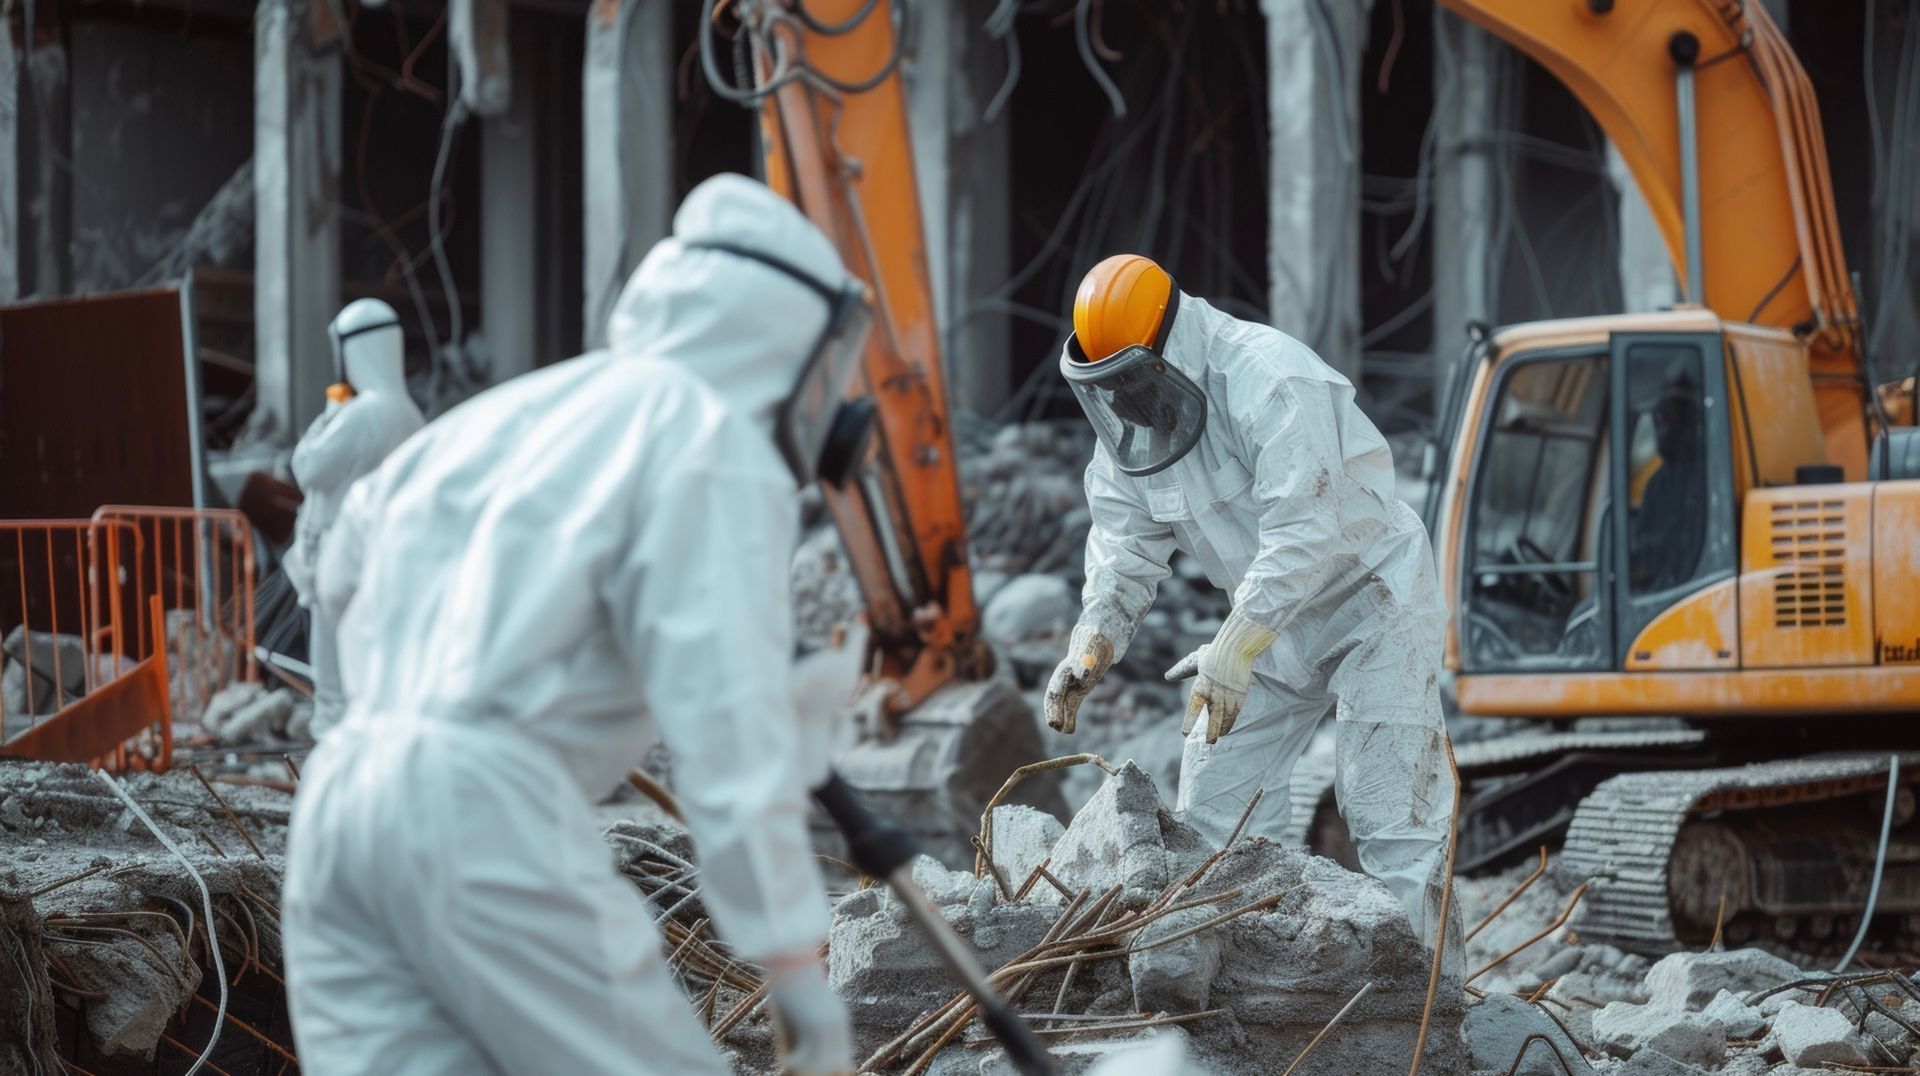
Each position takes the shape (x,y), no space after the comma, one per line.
(816,422)
(1142,407)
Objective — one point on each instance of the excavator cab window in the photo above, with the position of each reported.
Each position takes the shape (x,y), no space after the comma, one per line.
(1676,466)
(1535,599)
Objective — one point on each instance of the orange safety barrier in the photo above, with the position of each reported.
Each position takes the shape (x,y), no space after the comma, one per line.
(156,604)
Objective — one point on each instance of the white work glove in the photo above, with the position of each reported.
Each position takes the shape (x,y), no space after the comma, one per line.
(1225,670)
(1089,655)
(810,1024)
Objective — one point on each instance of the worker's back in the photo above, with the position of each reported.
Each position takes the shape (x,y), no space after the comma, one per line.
(610,531)
(503,544)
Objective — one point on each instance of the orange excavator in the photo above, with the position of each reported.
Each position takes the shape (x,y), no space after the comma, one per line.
(1703,513)
(824,76)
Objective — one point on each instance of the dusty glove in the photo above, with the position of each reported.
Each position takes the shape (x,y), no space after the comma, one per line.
(1089,655)
(1225,672)
(811,1027)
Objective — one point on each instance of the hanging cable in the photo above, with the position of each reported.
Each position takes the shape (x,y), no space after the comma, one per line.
(1083,38)
(833,29)
(206,902)
(1879,864)
(436,230)
(902,22)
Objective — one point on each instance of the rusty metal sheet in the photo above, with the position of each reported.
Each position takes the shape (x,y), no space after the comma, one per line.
(96,405)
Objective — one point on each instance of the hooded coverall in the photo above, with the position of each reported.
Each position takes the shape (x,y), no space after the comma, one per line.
(546,578)
(1287,502)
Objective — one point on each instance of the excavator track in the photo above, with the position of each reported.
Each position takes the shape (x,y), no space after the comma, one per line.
(1677,854)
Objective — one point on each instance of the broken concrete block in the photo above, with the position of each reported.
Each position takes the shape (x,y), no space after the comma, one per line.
(1023,838)
(1175,976)
(888,973)
(1690,980)
(1655,1063)
(1125,837)
(25,693)
(1890,1034)
(1286,971)
(1623,1029)
(944,886)
(60,658)
(1497,1029)
(265,717)
(227,702)
(1742,1020)
(1809,1036)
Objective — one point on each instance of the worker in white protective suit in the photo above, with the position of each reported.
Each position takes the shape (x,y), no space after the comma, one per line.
(368,414)
(546,577)
(1234,443)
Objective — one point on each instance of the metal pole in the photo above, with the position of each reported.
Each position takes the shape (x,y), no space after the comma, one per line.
(1685,49)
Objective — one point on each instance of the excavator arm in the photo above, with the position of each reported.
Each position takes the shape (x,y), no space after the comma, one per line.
(833,129)
(1769,236)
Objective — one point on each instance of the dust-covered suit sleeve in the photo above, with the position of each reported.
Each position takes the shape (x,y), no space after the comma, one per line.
(343,554)
(1127,553)
(1290,438)
(701,600)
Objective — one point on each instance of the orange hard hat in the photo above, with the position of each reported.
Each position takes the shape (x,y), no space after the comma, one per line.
(1122,301)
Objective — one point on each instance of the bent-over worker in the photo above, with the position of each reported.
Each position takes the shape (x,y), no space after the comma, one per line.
(546,576)
(1235,444)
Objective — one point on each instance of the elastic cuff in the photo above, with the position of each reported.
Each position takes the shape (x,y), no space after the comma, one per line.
(1242,637)
(1104,619)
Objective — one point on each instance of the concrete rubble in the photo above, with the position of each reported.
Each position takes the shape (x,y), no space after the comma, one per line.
(1251,987)
(1504,1028)
(112,922)
(1808,1036)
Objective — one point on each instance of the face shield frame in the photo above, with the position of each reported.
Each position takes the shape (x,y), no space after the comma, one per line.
(339,340)
(1126,394)
(816,410)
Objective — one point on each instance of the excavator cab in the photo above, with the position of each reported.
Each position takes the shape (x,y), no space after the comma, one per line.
(1559,572)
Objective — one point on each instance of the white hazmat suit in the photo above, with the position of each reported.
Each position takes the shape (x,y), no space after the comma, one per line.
(546,576)
(1287,502)
(345,441)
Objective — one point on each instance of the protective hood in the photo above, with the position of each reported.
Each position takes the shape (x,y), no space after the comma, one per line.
(740,326)
(372,349)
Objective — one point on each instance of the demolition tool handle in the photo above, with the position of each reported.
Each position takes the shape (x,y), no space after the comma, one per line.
(882,849)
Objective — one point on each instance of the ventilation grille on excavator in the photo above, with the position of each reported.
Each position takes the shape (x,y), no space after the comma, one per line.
(1810,546)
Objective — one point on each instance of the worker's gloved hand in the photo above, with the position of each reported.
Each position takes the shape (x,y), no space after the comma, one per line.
(1089,655)
(1224,668)
(811,1027)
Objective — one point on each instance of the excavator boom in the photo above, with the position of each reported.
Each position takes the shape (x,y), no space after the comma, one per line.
(1769,234)
(833,128)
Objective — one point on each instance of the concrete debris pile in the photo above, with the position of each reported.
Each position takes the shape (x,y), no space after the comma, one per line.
(1744,1011)
(110,927)
(244,714)
(1131,924)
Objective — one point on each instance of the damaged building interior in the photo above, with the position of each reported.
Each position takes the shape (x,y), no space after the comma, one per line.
(960,536)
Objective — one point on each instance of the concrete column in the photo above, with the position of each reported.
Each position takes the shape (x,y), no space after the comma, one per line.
(1464,194)
(1313,253)
(1647,279)
(627,132)
(39,145)
(510,223)
(960,163)
(296,185)
(9,166)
